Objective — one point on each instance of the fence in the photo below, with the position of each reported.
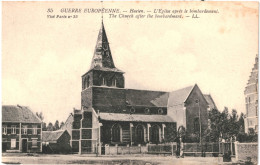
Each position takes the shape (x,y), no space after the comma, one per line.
(192,149)
(121,150)
(198,149)
(227,147)
(162,148)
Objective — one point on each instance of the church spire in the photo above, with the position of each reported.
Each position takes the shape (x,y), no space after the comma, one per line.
(102,57)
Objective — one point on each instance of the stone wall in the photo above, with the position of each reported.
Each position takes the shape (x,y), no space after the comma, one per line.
(245,150)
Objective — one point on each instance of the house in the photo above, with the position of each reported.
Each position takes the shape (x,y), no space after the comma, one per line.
(56,141)
(111,114)
(21,129)
(251,99)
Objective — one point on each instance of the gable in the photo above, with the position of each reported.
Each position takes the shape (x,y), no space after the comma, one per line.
(196,94)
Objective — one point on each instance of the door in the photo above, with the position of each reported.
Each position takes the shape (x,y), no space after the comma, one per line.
(4,145)
(24,145)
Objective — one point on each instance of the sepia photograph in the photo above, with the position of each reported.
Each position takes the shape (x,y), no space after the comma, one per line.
(138,82)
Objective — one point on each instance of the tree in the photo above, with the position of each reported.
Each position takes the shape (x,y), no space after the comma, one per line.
(61,124)
(241,123)
(40,115)
(233,124)
(56,125)
(224,124)
(44,127)
(50,127)
(215,125)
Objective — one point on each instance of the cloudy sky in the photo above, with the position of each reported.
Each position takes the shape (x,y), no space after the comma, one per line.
(43,59)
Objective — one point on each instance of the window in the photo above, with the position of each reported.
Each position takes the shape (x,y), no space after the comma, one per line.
(4,130)
(87,81)
(13,130)
(139,134)
(24,129)
(132,110)
(104,81)
(35,130)
(160,111)
(114,82)
(155,134)
(13,143)
(116,133)
(84,83)
(34,143)
(147,110)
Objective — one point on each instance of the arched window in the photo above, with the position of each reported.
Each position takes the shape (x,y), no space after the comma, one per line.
(139,134)
(114,82)
(155,134)
(196,125)
(116,133)
(87,82)
(104,81)
(84,83)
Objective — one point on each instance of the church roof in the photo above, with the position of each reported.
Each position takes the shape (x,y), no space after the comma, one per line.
(135,117)
(210,101)
(102,58)
(146,98)
(179,96)
(20,114)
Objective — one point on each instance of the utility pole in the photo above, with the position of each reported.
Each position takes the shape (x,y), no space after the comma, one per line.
(197,101)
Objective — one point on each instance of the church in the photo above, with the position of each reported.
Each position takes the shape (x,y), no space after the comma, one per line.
(113,115)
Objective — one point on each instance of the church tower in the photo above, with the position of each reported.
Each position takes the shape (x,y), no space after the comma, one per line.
(102,71)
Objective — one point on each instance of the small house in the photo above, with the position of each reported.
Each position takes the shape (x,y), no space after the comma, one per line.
(56,141)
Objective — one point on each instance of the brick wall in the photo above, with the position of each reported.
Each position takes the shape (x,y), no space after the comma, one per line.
(108,99)
(86,97)
(193,108)
(244,150)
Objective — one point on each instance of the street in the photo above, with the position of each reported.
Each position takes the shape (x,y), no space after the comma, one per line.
(118,159)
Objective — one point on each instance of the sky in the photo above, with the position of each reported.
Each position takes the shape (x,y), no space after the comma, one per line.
(43,59)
